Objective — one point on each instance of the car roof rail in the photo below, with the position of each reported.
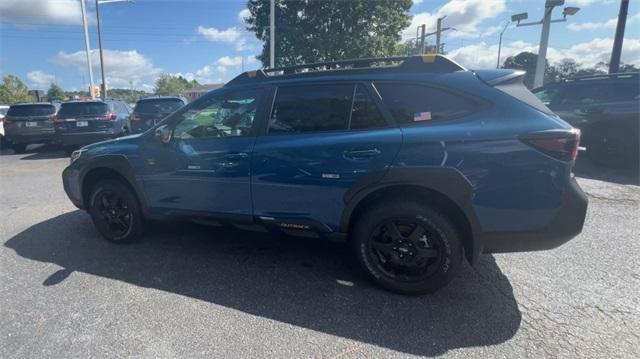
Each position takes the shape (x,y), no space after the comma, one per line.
(420,63)
(619,75)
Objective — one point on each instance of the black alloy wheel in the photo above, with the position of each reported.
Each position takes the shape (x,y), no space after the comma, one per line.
(115,211)
(407,247)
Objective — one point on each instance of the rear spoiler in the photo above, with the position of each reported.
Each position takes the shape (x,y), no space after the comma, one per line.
(498,76)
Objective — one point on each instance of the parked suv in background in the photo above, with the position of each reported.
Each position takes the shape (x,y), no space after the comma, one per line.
(149,111)
(416,162)
(607,110)
(29,123)
(83,122)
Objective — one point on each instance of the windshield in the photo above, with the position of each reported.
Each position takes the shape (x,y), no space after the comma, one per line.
(31,110)
(165,105)
(83,108)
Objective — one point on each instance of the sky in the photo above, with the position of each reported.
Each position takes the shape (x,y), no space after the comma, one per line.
(41,41)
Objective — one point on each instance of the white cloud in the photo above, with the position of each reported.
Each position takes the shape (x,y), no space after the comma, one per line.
(609,24)
(588,53)
(464,15)
(243,14)
(33,12)
(222,69)
(39,80)
(123,68)
(231,35)
(417,2)
(583,2)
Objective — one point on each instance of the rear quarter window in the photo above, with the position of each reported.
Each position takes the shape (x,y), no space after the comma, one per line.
(417,103)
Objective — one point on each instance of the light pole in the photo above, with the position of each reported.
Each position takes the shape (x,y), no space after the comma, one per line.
(614,64)
(87,47)
(500,43)
(103,86)
(272,34)
(544,35)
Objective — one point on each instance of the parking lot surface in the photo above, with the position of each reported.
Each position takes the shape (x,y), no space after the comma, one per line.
(193,291)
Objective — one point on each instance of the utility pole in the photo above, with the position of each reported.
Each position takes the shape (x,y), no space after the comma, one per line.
(87,48)
(500,44)
(546,21)
(103,86)
(423,29)
(438,32)
(541,62)
(614,64)
(272,34)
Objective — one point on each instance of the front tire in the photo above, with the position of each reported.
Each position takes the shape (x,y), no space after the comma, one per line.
(407,247)
(115,211)
(19,148)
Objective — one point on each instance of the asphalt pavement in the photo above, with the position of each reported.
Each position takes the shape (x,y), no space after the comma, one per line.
(191,291)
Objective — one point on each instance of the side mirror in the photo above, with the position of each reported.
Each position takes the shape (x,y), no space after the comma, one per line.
(163,134)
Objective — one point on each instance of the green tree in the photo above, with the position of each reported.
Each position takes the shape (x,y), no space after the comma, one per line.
(315,31)
(13,90)
(527,61)
(55,93)
(168,85)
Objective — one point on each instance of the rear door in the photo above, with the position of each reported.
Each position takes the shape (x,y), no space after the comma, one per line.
(320,140)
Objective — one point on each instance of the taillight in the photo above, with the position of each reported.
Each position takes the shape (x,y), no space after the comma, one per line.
(52,119)
(108,117)
(559,144)
(57,119)
(135,117)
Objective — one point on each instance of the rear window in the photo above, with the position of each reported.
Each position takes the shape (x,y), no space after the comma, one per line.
(585,92)
(166,105)
(31,110)
(83,108)
(415,103)
(515,88)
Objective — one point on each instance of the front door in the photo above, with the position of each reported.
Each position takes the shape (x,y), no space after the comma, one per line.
(205,167)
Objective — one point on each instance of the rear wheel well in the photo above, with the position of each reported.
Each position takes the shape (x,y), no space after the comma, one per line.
(434,198)
(97,174)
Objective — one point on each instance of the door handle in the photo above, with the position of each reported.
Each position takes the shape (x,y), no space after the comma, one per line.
(592,111)
(236,156)
(361,153)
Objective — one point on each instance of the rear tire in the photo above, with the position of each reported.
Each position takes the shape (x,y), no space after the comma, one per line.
(115,211)
(421,255)
(19,148)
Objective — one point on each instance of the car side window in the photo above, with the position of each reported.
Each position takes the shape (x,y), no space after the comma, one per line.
(415,103)
(365,113)
(226,115)
(311,108)
(546,95)
(579,94)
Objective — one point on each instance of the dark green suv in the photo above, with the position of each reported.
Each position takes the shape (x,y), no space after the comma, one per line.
(606,109)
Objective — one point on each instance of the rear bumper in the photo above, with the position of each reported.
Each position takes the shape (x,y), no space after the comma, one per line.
(25,139)
(84,138)
(566,224)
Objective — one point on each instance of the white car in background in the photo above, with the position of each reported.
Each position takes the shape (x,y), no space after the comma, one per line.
(3,112)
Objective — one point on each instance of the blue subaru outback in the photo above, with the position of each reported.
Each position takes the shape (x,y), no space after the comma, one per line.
(417,162)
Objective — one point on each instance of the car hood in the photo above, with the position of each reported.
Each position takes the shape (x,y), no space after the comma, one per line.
(119,140)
